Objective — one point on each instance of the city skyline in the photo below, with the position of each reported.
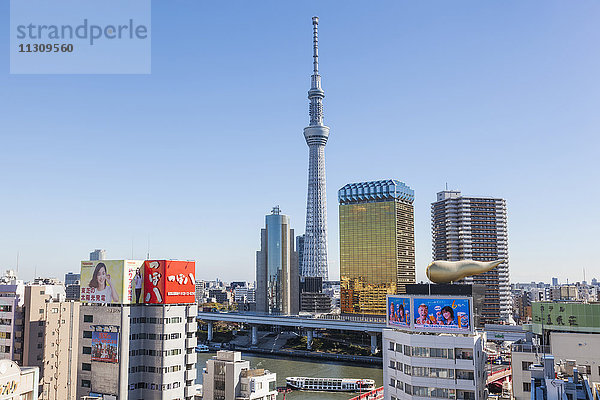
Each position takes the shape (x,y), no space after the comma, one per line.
(111,160)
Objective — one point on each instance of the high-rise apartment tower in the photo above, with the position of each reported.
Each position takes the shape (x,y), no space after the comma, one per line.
(475,228)
(377,244)
(314,261)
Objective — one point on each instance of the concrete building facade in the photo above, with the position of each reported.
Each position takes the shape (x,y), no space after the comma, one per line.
(156,356)
(475,228)
(18,383)
(417,366)
(227,376)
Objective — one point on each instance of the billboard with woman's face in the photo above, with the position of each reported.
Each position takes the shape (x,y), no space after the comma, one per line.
(398,311)
(442,314)
(108,281)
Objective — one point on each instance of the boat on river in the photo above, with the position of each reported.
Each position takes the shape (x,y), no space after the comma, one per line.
(330,384)
(201,348)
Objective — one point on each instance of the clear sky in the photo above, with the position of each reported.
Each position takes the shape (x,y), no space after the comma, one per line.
(493,98)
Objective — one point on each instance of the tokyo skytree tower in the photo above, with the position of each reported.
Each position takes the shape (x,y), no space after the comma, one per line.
(314,262)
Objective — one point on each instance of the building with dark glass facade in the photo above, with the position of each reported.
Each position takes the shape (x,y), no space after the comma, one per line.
(377,244)
(277,278)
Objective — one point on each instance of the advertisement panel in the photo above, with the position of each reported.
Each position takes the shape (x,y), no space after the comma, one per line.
(102,281)
(169,282)
(105,346)
(450,314)
(134,283)
(180,286)
(398,311)
(110,281)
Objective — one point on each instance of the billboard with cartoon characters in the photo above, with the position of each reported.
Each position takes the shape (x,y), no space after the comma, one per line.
(169,282)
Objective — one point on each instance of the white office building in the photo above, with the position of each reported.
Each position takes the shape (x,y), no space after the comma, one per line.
(439,365)
(227,376)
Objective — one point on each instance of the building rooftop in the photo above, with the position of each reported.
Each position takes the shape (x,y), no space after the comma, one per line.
(373,191)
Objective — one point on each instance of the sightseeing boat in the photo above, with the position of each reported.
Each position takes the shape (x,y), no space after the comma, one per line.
(330,384)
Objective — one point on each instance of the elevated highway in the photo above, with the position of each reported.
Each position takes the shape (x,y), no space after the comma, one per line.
(368,324)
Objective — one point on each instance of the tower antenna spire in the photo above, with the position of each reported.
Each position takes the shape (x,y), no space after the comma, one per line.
(314,262)
(315,94)
(315,21)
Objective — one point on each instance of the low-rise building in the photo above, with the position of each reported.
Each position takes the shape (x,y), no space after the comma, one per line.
(227,376)
(549,382)
(18,383)
(577,349)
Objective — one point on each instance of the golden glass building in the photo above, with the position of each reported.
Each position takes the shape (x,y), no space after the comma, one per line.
(377,244)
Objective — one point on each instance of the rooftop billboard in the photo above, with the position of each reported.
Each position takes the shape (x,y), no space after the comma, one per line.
(442,314)
(430,313)
(169,282)
(398,313)
(110,281)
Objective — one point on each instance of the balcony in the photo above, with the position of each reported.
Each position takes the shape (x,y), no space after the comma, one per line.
(191,358)
(191,326)
(190,375)
(190,391)
(191,342)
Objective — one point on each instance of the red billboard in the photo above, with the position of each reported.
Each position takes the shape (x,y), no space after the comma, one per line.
(169,282)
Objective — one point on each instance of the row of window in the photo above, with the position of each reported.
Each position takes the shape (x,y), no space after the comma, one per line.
(421,391)
(5,308)
(4,335)
(426,372)
(152,320)
(155,370)
(86,383)
(144,320)
(155,336)
(157,386)
(432,352)
(158,353)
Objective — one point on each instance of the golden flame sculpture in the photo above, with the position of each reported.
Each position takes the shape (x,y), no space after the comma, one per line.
(451,271)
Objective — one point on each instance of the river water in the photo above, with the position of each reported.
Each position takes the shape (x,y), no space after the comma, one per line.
(289,367)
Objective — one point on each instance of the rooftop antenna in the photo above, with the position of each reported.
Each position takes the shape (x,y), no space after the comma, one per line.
(446,186)
(148,254)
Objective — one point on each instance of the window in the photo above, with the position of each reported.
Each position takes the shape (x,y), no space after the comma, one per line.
(54,310)
(41,310)
(88,318)
(86,367)
(392,382)
(87,350)
(392,346)
(527,386)
(86,383)
(87,334)
(525,365)
(392,364)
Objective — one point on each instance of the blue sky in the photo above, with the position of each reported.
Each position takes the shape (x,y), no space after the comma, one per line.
(494,98)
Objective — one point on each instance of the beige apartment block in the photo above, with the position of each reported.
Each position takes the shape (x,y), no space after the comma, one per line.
(50,333)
